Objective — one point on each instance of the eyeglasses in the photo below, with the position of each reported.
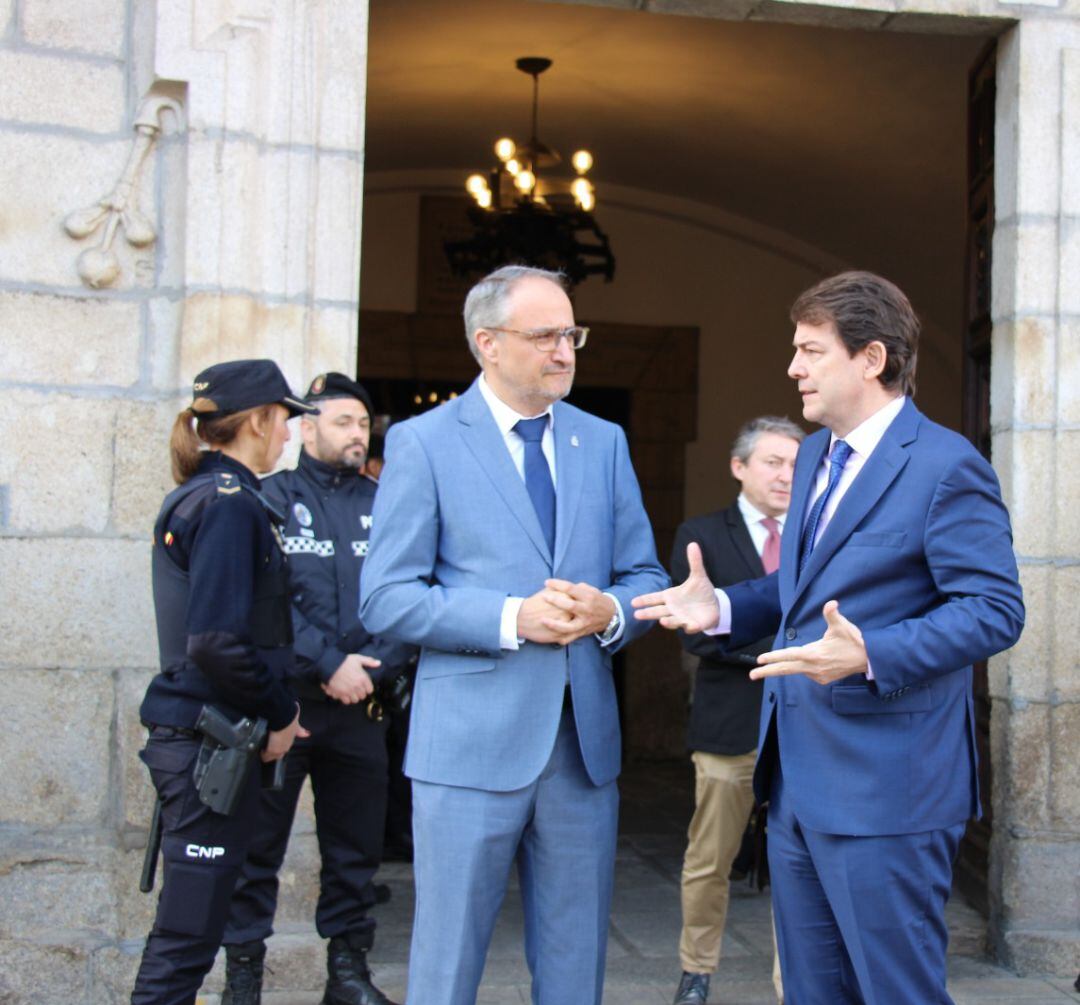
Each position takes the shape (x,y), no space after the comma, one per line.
(546,339)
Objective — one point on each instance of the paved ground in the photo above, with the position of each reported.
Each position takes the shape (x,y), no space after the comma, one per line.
(643,966)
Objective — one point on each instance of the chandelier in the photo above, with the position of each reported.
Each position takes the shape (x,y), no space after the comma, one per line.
(522,214)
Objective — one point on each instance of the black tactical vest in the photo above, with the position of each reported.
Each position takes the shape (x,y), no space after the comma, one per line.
(181,689)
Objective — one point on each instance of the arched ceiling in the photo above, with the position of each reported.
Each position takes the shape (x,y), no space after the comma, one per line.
(851,140)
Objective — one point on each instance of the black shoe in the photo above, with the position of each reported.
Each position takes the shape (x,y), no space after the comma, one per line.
(693,989)
(349,980)
(383,893)
(243,974)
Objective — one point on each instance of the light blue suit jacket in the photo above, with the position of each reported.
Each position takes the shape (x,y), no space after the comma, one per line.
(919,555)
(454,534)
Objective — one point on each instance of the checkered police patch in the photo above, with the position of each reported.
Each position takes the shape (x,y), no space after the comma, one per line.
(305,546)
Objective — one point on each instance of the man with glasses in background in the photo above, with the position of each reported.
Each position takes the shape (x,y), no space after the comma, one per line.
(509,536)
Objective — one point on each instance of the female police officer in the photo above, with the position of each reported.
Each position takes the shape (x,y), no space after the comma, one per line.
(225,639)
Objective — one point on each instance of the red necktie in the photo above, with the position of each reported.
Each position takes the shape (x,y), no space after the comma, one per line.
(770,554)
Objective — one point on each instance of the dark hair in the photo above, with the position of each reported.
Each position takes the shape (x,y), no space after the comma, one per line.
(866,308)
(188,436)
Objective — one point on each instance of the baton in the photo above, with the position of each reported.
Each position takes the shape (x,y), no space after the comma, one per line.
(153,846)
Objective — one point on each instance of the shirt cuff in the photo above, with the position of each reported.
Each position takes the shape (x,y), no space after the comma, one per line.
(869,669)
(723,623)
(508,636)
(620,628)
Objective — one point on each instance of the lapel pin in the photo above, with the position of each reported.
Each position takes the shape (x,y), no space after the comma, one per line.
(574,441)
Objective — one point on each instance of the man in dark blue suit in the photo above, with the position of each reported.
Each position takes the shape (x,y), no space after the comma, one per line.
(867,749)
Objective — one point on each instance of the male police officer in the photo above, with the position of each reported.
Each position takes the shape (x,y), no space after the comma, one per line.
(328,505)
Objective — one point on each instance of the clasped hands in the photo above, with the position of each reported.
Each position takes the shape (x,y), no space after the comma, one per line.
(563,612)
(351,683)
(693,607)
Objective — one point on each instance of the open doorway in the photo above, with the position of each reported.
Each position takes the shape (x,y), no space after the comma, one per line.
(735,164)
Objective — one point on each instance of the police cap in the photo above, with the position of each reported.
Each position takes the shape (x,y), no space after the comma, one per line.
(337,385)
(226,388)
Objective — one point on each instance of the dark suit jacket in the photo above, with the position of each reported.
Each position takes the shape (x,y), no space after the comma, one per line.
(919,554)
(727,703)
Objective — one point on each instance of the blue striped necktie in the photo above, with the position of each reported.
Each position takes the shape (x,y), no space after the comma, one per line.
(538,481)
(840,453)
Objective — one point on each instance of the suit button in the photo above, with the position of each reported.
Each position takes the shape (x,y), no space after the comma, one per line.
(790,634)
(772,698)
(555,645)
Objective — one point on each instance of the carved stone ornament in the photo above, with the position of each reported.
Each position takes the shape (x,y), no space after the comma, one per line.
(99,266)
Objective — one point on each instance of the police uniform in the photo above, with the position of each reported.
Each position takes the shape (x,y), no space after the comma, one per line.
(224,637)
(328,523)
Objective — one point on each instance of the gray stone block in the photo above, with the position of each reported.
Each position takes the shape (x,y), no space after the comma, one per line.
(141,472)
(1065,672)
(43,974)
(92,340)
(44,177)
(136,790)
(56,90)
(1039,882)
(59,479)
(112,973)
(42,893)
(85,25)
(77,602)
(1042,951)
(56,747)
(1064,794)
(1019,739)
(134,909)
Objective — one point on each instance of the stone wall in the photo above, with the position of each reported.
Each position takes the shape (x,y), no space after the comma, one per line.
(251,116)
(252,181)
(1035,396)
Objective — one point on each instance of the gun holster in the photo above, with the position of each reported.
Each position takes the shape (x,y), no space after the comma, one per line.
(391,694)
(225,758)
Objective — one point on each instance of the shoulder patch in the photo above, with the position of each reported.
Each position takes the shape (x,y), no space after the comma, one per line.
(302,514)
(227,483)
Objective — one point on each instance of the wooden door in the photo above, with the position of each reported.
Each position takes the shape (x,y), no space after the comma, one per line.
(971,868)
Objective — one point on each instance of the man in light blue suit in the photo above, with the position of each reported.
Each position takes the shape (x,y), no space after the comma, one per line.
(508,540)
(867,745)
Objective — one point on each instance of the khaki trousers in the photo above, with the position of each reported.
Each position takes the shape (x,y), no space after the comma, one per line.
(723,798)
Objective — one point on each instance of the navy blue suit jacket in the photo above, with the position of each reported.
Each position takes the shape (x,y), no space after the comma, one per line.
(919,556)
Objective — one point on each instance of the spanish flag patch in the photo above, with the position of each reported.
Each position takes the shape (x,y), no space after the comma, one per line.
(168,538)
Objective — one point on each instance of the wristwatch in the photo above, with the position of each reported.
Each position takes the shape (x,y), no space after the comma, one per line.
(612,627)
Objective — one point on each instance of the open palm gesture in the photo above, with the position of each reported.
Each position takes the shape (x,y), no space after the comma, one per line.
(691,605)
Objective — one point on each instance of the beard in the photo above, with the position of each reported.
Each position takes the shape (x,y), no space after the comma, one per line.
(348,458)
(352,458)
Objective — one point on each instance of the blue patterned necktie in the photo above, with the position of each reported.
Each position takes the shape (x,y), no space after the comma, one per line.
(538,481)
(840,454)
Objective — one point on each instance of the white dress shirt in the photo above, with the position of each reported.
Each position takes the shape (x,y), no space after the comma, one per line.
(752,517)
(506,418)
(863,439)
